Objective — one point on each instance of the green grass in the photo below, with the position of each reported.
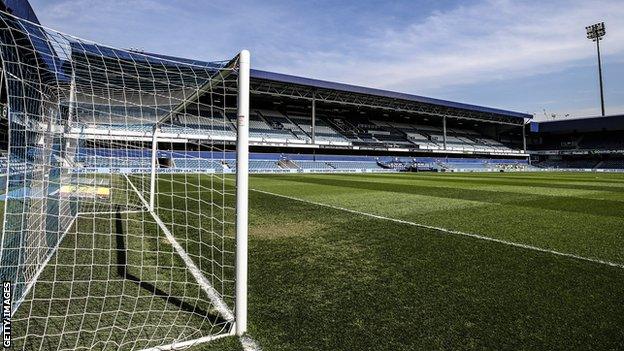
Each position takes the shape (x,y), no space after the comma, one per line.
(575,213)
(337,281)
(326,279)
(116,281)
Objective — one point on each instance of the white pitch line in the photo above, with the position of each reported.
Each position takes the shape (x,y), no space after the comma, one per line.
(204,283)
(448,231)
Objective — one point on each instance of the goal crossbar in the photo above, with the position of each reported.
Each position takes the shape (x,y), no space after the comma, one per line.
(215,79)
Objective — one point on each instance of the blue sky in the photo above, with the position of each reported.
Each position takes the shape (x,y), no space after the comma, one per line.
(527,56)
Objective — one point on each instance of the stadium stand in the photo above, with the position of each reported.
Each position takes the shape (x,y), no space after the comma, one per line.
(567,163)
(312,165)
(274,162)
(348,120)
(591,143)
(280,122)
(263,165)
(196,164)
(277,121)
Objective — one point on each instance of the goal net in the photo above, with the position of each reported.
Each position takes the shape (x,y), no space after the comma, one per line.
(124,207)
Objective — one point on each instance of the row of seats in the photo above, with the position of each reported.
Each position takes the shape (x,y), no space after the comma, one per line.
(604,140)
(339,165)
(453,164)
(277,127)
(323,133)
(581,164)
(197,163)
(116,162)
(193,161)
(313,165)
(355,165)
(281,122)
(432,138)
(219,165)
(377,133)
(611,164)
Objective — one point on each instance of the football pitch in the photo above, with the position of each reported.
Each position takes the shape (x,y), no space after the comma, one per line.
(403,262)
(324,278)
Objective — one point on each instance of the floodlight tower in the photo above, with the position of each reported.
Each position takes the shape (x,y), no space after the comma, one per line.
(595,32)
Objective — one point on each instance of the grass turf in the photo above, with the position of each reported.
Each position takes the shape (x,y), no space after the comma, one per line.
(325,279)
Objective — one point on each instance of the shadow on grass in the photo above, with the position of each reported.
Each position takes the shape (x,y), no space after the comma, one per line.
(122,271)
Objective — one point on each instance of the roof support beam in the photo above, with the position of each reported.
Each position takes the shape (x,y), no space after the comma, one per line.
(313,119)
(524,142)
(444,131)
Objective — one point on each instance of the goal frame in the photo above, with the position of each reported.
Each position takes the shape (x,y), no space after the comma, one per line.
(238,316)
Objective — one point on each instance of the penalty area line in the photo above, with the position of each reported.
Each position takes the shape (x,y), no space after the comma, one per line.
(448,231)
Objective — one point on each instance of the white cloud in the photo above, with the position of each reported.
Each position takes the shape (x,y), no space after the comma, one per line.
(471,44)
(487,41)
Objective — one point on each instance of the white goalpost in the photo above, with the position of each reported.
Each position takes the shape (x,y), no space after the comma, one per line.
(124,193)
(242,190)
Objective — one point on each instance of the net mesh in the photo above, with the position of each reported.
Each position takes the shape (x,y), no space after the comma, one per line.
(118,228)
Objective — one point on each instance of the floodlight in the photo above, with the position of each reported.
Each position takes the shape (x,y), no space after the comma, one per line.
(595,32)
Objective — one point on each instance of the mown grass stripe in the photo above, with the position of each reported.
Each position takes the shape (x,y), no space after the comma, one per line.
(479,181)
(448,231)
(606,208)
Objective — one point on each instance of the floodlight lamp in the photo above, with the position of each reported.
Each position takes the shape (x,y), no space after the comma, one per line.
(596,31)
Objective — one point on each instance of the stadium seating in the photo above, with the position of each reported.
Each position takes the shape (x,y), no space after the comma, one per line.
(611,164)
(116,162)
(602,141)
(4,162)
(388,135)
(469,166)
(429,137)
(197,163)
(324,134)
(355,165)
(313,165)
(260,128)
(263,165)
(279,121)
(272,126)
(266,162)
(572,164)
(216,126)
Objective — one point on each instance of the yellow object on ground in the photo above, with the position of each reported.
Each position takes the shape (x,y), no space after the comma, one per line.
(85,190)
